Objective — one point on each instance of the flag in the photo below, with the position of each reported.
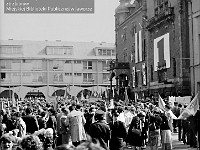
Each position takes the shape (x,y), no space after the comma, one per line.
(161,105)
(82,96)
(126,97)
(191,109)
(13,98)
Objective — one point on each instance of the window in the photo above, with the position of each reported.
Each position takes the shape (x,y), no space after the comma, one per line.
(68,74)
(58,77)
(77,61)
(87,65)
(66,50)
(37,77)
(3,75)
(16,61)
(106,77)
(113,52)
(109,52)
(106,52)
(5,64)
(58,64)
(37,64)
(67,61)
(144,49)
(100,52)
(26,61)
(10,49)
(77,74)
(160,6)
(104,65)
(87,77)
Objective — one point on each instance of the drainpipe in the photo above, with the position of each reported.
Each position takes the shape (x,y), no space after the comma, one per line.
(192,44)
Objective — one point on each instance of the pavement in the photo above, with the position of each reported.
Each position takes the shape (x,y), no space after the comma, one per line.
(177,145)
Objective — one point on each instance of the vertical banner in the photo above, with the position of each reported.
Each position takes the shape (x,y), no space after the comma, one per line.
(140,45)
(133,76)
(136,48)
(144,75)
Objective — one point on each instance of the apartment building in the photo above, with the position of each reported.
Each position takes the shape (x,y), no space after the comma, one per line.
(49,66)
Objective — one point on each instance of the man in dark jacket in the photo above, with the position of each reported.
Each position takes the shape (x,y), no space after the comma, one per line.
(31,121)
(100,131)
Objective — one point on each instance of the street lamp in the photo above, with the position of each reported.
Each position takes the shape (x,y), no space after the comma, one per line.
(112,74)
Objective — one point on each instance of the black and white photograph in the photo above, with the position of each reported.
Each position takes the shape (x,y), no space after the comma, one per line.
(99,74)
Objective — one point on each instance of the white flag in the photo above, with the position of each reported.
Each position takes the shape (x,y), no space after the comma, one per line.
(191,109)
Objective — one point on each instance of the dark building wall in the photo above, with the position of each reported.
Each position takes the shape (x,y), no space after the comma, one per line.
(178,73)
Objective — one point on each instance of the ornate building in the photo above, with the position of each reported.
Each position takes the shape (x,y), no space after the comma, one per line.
(152,45)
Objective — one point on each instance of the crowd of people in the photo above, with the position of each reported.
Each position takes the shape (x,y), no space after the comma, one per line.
(35,124)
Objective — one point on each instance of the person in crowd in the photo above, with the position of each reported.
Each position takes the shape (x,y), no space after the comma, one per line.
(154,129)
(48,139)
(64,126)
(176,112)
(118,132)
(179,123)
(185,133)
(166,129)
(192,131)
(51,123)
(197,116)
(42,120)
(31,142)
(19,124)
(59,134)
(65,147)
(31,121)
(109,117)
(89,118)
(99,130)
(76,125)
(137,132)
(6,142)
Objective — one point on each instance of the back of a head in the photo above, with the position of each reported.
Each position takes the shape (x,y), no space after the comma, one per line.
(28,110)
(31,142)
(65,147)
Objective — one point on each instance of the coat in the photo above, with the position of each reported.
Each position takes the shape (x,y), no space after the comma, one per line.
(76,126)
(118,135)
(31,123)
(100,131)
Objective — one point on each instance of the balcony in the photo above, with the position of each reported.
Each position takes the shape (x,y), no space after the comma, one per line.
(122,65)
(166,15)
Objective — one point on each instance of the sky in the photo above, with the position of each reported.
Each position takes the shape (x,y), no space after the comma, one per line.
(96,27)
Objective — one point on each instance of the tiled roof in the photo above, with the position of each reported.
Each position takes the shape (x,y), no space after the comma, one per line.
(36,49)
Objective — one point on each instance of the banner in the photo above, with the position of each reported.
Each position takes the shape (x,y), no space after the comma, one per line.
(126,97)
(191,109)
(161,105)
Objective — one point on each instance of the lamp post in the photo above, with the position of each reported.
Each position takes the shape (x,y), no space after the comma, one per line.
(112,74)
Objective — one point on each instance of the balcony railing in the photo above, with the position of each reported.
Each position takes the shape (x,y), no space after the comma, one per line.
(122,65)
(167,14)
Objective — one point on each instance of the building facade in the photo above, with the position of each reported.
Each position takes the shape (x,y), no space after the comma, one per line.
(50,66)
(131,47)
(152,41)
(194,29)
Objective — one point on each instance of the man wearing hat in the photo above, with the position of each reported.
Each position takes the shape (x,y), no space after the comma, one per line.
(100,131)
(6,142)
